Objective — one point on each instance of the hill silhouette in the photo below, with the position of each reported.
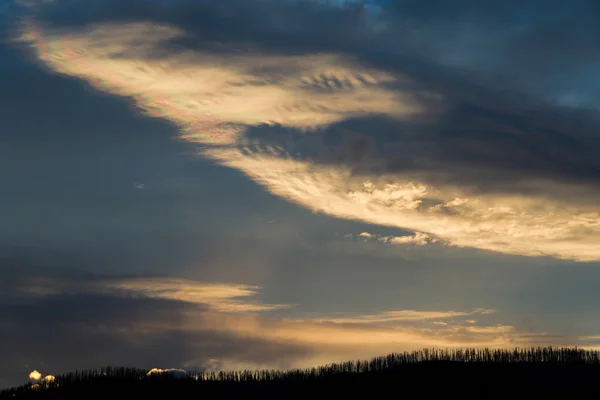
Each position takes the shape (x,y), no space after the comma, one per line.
(469,373)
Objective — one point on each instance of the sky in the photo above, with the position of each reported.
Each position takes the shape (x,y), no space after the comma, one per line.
(286,183)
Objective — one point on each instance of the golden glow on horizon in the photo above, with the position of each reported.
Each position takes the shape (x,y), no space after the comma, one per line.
(323,339)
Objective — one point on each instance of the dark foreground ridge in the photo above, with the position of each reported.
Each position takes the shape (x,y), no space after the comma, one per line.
(470,373)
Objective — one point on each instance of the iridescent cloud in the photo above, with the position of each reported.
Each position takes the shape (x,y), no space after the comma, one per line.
(215,97)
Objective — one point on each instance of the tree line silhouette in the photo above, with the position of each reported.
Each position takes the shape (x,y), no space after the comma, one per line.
(562,365)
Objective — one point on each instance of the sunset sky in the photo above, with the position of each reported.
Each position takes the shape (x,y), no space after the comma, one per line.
(230,184)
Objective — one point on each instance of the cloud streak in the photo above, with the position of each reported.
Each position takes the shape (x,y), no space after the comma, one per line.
(220,297)
(418,239)
(402,315)
(215,296)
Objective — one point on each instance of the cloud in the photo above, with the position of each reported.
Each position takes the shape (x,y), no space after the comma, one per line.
(423,148)
(402,315)
(349,340)
(320,333)
(419,238)
(243,88)
(215,296)
(220,297)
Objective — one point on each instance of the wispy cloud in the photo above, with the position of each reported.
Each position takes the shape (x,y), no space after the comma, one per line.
(419,238)
(240,88)
(402,315)
(220,297)
(216,296)
(217,97)
(341,340)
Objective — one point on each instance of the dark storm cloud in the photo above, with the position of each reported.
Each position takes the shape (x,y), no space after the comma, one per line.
(533,38)
(485,151)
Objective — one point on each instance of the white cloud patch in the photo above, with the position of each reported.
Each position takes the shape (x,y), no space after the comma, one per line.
(418,238)
(364,235)
(214,98)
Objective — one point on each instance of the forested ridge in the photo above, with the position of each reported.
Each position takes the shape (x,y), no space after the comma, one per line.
(472,373)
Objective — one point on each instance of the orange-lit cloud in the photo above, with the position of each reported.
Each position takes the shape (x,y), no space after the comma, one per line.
(332,342)
(215,296)
(322,338)
(419,238)
(230,312)
(299,91)
(401,315)
(220,297)
(214,98)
